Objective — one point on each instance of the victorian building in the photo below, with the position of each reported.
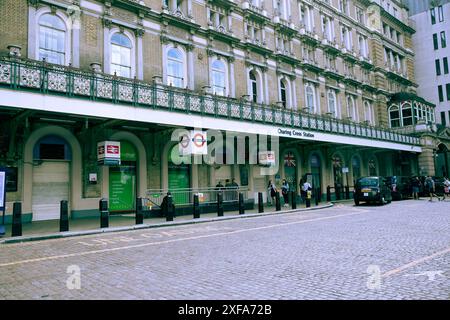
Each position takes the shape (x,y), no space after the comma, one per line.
(334,80)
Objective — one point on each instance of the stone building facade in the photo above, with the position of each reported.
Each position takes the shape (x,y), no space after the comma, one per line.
(75,73)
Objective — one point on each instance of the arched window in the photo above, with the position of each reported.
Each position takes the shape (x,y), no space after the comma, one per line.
(351,109)
(121,48)
(407,114)
(310,98)
(332,109)
(52,39)
(253,86)
(368,112)
(219,78)
(394,117)
(175,68)
(283,95)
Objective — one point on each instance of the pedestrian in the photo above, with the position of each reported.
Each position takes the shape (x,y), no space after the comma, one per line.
(269,190)
(165,208)
(446,189)
(306,188)
(235,189)
(430,187)
(416,188)
(285,192)
(219,188)
(273,191)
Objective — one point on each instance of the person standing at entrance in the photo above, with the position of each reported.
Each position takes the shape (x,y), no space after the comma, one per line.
(285,193)
(416,188)
(273,191)
(430,187)
(235,189)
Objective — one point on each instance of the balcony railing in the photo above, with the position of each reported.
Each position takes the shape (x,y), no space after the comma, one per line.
(45,78)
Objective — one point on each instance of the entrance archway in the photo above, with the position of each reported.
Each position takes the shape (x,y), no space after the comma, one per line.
(290,162)
(442,161)
(179,173)
(316,171)
(337,164)
(356,167)
(52,157)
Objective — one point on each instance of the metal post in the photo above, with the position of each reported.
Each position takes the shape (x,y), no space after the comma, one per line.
(328,194)
(241,203)
(139,211)
(277,201)
(17,220)
(64,216)
(104,214)
(220,204)
(317,196)
(293,200)
(196,207)
(260,202)
(347,191)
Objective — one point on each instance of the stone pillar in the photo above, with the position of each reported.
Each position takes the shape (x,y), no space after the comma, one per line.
(426,161)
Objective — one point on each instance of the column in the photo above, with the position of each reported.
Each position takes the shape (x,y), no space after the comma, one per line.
(232,82)
(191,77)
(32,25)
(106,51)
(140,54)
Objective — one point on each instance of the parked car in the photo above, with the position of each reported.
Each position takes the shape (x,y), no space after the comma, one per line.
(372,189)
(401,187)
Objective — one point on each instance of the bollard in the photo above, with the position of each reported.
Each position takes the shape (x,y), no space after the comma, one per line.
(104,214)
(260,203)
(16,230)
(277,201)
(196,207)
(64,216)
(337,192)
(241,203)
(139,211)
(220,204)
(347,192)
(328,194)
(317,196)
(293,200)
(170,210)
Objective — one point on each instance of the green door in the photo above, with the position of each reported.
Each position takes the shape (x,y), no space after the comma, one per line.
(122,180)
(179,179)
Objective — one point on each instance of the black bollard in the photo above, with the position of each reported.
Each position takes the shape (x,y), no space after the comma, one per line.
(196,207)
(139,211)
(347,192)
(220,204)
(16,230)
(317,196)
(170,210)
(337,191)
(277,201)
(241,203)
(104,214)
(293,200)
(64,216)
(260,202)
(328,194)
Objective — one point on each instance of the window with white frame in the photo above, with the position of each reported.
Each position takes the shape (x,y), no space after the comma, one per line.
(121,48)
(176,68)
(368,112)
(253,86)
(283,93)
(219,77)
(306,16)
(394,116)
(363,46)
(352,113)
(218,18)
(360,17)
(310,98)
(332,103)
(52,39)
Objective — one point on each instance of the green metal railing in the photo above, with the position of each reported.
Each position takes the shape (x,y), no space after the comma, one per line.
(20,74)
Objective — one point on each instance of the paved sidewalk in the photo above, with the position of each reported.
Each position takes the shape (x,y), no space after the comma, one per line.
(41,230)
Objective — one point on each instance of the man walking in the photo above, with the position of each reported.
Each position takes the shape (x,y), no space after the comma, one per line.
(285,193)
(415,188)
(430,187)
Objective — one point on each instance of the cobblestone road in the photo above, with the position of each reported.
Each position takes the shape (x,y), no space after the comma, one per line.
(399,251)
